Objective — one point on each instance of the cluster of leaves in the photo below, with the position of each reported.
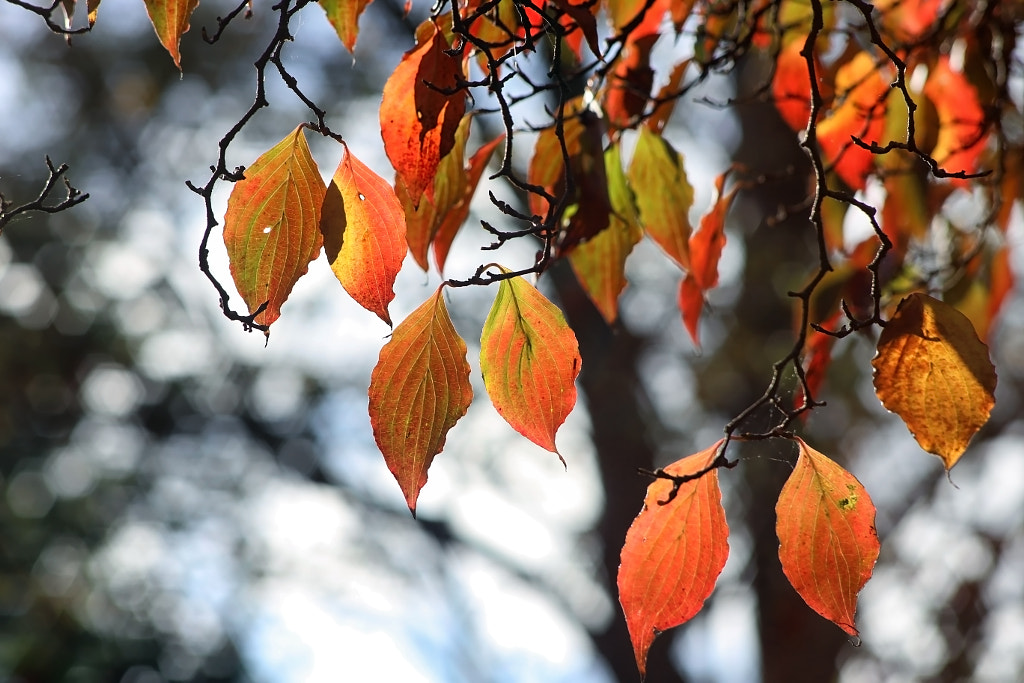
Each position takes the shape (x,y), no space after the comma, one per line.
(903,101)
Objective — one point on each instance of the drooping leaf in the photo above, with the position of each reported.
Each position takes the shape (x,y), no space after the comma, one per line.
(586,209)
(600,263)
(454,218)
(705,251)
(364,234)
(791,86)
(170,21)
(674,552)
(271,226)
(962,131)
(623,12)
(629,85)
(825,521)
(447,188)
(92,6)
(418,391)
(529,359)
(933,371)
(663,194)
(344,17)
(667,98)
(580,13)
(861,90)
(421,110)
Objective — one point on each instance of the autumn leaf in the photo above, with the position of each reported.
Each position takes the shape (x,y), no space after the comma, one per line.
(344,17)
(585,211)
(600,263)
(364,234)
(421,110)
(861,88)
(418,391)
(453,219)
(962,131)
(933,371)
(629,85)
(827,540)
(170,21)
(530,359)
(447,188)
(791,86)
(706,247)
(663,194)
(674,552)
(271,226)
(667,98)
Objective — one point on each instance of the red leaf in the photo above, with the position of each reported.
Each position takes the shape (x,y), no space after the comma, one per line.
(629,85)
(418,120)
(791,86)
(418,391)
(663,194)
(170,21)
(271,226)
(364,234)
(674,552)
(827,539)
(529,359)
(667,97)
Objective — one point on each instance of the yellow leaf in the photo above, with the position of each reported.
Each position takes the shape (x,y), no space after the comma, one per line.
(170,21)
(933,371)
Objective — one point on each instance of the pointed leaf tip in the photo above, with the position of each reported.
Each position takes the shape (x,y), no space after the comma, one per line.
(271,226)
(530,359)
(825,521)
(933,371)
(363,225)
(673,554)
(170,19)
(418,391)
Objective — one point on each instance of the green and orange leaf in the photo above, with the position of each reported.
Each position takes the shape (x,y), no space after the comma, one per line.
(825,521)
(344,17)
(933,371)
(600,263)
(419,389)
(529,358)
(421,109)
(170,19)
(663,195)
(363,228)
(674,552)
(271,227)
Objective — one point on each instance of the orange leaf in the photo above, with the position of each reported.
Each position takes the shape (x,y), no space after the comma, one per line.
(418,391)
(933,371)
(418,119)
(364,234)
(629,85)
(453,219)
(447,188)
(344,17)
(791,86)
(827,540)
(668,98)
(270,228)
(674,552)
(962,132)
(705,251)
(861,87)
(663,194)
(600,263)
(529,359)
(170,21)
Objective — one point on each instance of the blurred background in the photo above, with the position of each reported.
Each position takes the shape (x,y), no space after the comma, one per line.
(180,502)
